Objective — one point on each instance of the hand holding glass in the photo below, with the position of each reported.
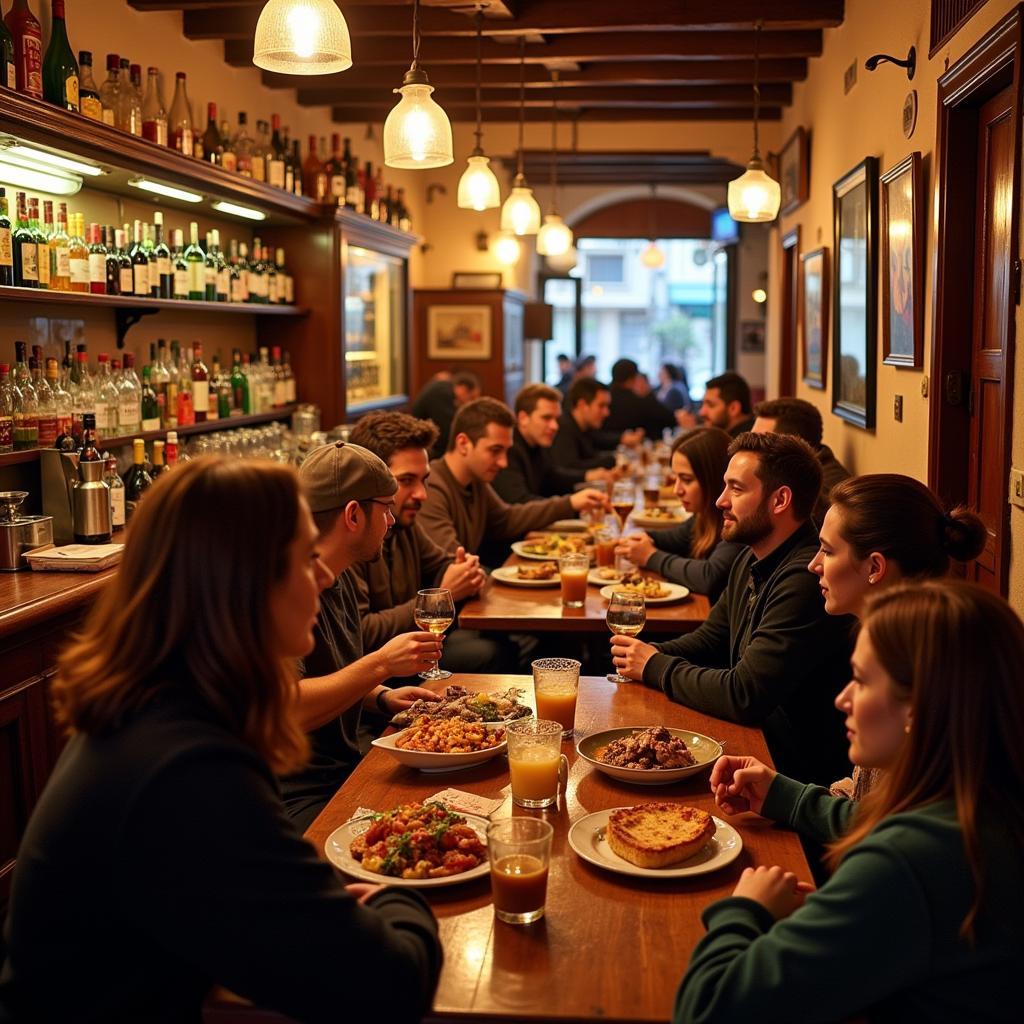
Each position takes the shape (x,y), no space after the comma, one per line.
(434,612)
(626,617)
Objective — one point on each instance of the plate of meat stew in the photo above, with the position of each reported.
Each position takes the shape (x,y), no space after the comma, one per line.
(652,755)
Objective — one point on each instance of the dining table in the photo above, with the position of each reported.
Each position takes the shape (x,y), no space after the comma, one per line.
(611,947)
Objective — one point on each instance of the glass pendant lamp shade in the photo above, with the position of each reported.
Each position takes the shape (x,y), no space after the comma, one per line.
(417,132)
(478,187)
(302,37)
(565,262)
(554,237)
(652,257)
(754,197)
(521,212)
(505,248)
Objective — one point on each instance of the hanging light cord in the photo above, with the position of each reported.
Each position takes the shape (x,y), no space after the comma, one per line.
(554,142)
(415,34)
(522,100)
(478,151)
(757,84)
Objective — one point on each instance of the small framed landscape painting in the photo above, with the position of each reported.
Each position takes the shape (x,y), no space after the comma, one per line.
(902,256)
(459,332)
(814,316)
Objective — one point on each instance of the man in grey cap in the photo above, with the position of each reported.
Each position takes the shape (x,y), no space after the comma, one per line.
(351,494)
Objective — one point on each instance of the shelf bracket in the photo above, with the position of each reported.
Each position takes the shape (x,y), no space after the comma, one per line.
(127,318)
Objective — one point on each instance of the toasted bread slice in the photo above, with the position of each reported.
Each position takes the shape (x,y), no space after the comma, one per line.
(658,835)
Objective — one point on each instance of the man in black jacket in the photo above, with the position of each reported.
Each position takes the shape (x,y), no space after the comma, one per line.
(580,441)
(631,409)
(440,399)
(768,654)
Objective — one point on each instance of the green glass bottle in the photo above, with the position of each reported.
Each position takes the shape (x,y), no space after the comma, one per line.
(60,69)
(195,262)
(8,75)
(239,385)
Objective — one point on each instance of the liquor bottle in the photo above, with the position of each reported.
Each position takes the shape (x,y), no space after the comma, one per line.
(276,156)
(61,398)
(137,480)
(280,388)
(213,147)
(46,253)
(125,271)
(28,49)
(6,410)
(154,113)
(83,393)
(171,451)
(26,403)
(60,257)
(26,248)
(97,262)
(186,408)
(88,92)
(223,271)
(107,398)
(297,184)
(315,182)
(242,267)
(129,111)
(210,270)
(90,443)
(150,407)
(289,168)
(229,158)
(116,485)
(180,118)
(257,275)
(6,243)
(200,377)
(110,90)
(244,146)
(259,152)
(264,381)
(284,285)
(134,101)
(170,416)
(336,172)
(369,190)
(224,394)
(129,392)
(8,72)
(195,261)
(47,414)
(291,394)
(60,69)
(158,378)
(78,256)
(42,244)
(159,466)
(180,266)
(113,261)
(353,196)
(162,286)
(212,391)
(140,263)
(239,384)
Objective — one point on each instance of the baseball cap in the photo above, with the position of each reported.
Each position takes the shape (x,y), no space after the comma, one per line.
(335,474)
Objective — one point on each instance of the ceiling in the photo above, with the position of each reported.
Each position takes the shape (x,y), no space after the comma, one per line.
(678,60)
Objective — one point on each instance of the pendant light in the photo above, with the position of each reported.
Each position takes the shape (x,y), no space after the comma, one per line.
(653,258)
(521,212)
(417,132)
(478,187)
(755,197)
(505,248)
(302,37)
(565,262)
(555,237)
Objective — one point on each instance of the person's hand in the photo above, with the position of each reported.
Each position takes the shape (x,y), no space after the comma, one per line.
(632,438)
(409,653)
(363,891)
(740,784)
(631,655)
(685,419)
(590,498)
(777,890)
(637,547)
(464,577)
(401,697)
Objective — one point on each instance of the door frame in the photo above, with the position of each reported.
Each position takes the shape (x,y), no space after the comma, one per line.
(789,312)
(991,65)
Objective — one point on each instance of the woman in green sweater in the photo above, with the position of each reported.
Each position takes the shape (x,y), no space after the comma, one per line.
(923,918)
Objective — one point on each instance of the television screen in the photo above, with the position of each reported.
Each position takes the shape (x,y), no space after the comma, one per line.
(724,229)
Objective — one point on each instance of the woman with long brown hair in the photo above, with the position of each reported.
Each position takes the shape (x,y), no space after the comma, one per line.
(159,859)
(923,918)
(692,553)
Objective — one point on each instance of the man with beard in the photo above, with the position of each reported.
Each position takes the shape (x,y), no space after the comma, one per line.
(351,494)
(726,405)
(768,654)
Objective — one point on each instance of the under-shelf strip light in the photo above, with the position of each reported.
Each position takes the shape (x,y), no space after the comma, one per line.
(30,156)
(14,173)
(239,211)
(157,188)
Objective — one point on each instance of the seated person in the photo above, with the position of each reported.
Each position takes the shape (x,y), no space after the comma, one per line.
(674,388)
(802,419)
(632,404)
(581,439)
(159,860)
(768,654)
(351,493)
(439,400)
(462,508)
(923,917)
(566,373)
(531,472)
(726,405)
(411,560)
(692,553)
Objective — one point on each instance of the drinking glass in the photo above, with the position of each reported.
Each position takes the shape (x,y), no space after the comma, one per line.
(623,500)
(536,764)
(626,617)
(604,547)
(556,682)
(572,573)
(434,612)
(519,850)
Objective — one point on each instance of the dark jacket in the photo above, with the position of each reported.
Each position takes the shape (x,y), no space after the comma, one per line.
(531,473)
(769,655)
(630,410)
(437,402)
(581,448)
(745,424)
(707,575)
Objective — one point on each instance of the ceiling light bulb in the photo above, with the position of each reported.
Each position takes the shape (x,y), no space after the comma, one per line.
(505,248)
(754,197)
(417,132)
(478,187)
(555,237)
(521,212)
(302,37)
(652,257)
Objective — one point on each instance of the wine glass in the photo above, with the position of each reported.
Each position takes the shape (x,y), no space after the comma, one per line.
(623,500)
(626,616)
(434,612)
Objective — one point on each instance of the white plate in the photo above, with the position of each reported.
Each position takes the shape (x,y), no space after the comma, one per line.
(600,581)
(429,762)
(337,844)
(586,837)
(704,749)
(518,548)
(654,522)
(676,592)
(510,574)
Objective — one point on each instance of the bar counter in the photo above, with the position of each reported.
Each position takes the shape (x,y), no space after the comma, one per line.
(34,598)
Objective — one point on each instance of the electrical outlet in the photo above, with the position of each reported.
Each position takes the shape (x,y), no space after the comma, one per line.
(897,408)
(1016,487)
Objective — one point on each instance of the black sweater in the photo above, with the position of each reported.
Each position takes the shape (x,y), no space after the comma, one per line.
(159,860)
(707,575)
(531,473)
(769,655)
(574,446)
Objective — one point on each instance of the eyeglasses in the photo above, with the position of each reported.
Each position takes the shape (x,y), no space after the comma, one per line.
(388,506)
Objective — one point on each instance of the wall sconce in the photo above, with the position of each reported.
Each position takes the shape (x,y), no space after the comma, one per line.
(504,247)
(881,58)
(435,187)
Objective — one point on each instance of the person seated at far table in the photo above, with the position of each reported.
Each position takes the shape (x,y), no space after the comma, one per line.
(531,472)
(566,373)
(352,495)
(581,440)
(412,560)
(462,508)
(692,553)
(726,405)
(674,387)
(633,406)
(159,860)
(439,400)
(802,419)
(768,654)
(923,916)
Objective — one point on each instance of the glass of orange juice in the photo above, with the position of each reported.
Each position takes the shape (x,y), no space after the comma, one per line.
(519,850)
(535,761)
(556,682)
(572,572)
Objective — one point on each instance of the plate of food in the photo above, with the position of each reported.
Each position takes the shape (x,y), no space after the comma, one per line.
(443,744)
(604,574)
(655,840)
(536,574)
(493,709)
(655,591)
(658,517)
(449,847)
(551,545)
(653,755)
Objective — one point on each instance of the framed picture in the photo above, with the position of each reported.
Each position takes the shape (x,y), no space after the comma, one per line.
(794,167)
(752,336)
(455,333)
(484,281)
(902,264)
(814,299)
(855,293)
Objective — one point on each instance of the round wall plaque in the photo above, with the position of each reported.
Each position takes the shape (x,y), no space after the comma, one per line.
(910,114)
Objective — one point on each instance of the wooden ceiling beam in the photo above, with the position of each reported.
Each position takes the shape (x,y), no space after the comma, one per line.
(363,114)
(495,8)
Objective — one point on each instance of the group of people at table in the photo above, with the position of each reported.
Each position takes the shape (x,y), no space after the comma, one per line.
(261,625)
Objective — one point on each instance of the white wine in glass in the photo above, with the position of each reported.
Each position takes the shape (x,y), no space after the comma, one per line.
(434,613)
(626,617)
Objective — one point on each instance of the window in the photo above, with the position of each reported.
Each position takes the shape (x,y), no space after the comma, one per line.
(605,269)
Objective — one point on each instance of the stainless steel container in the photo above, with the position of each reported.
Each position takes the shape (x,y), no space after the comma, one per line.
(18,533)
(91,505)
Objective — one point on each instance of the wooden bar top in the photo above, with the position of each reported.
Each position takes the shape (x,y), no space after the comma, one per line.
(31,598)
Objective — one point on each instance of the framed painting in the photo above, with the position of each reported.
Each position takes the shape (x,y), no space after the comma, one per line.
(855,293)
(455,333)
(902,264)
(814,299)
(485,281)
(794,167)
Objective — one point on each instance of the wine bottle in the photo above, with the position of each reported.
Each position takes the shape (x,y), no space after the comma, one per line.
(116,485)
(161,286)
(26,249)
(28,49)
(195,262)
(60,69)
(113,261)
(88,92)
(229,156)
(125,272)
(78,256)
(244,147)
(133,101)
(297,185)
(97,262)
(180,119)
(8,73)
(140,263)
(154,113)
(180,266)
(213,147)
(60,259)
(200,377)
(275,158)
(110,90)
(336,172)
(314,175)
(210,270)
(42,245)
(150,406)
(137,480)
(89,452)
(6,243)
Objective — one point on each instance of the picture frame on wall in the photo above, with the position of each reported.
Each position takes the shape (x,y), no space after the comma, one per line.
(903,264)
(794,171)
(814,303)
(752,337)
(855,293)
(479,280)
(456,333)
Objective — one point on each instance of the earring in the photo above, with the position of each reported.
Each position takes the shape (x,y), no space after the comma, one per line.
(872,578)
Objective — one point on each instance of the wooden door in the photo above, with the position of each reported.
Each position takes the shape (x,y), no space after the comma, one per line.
(993,295)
